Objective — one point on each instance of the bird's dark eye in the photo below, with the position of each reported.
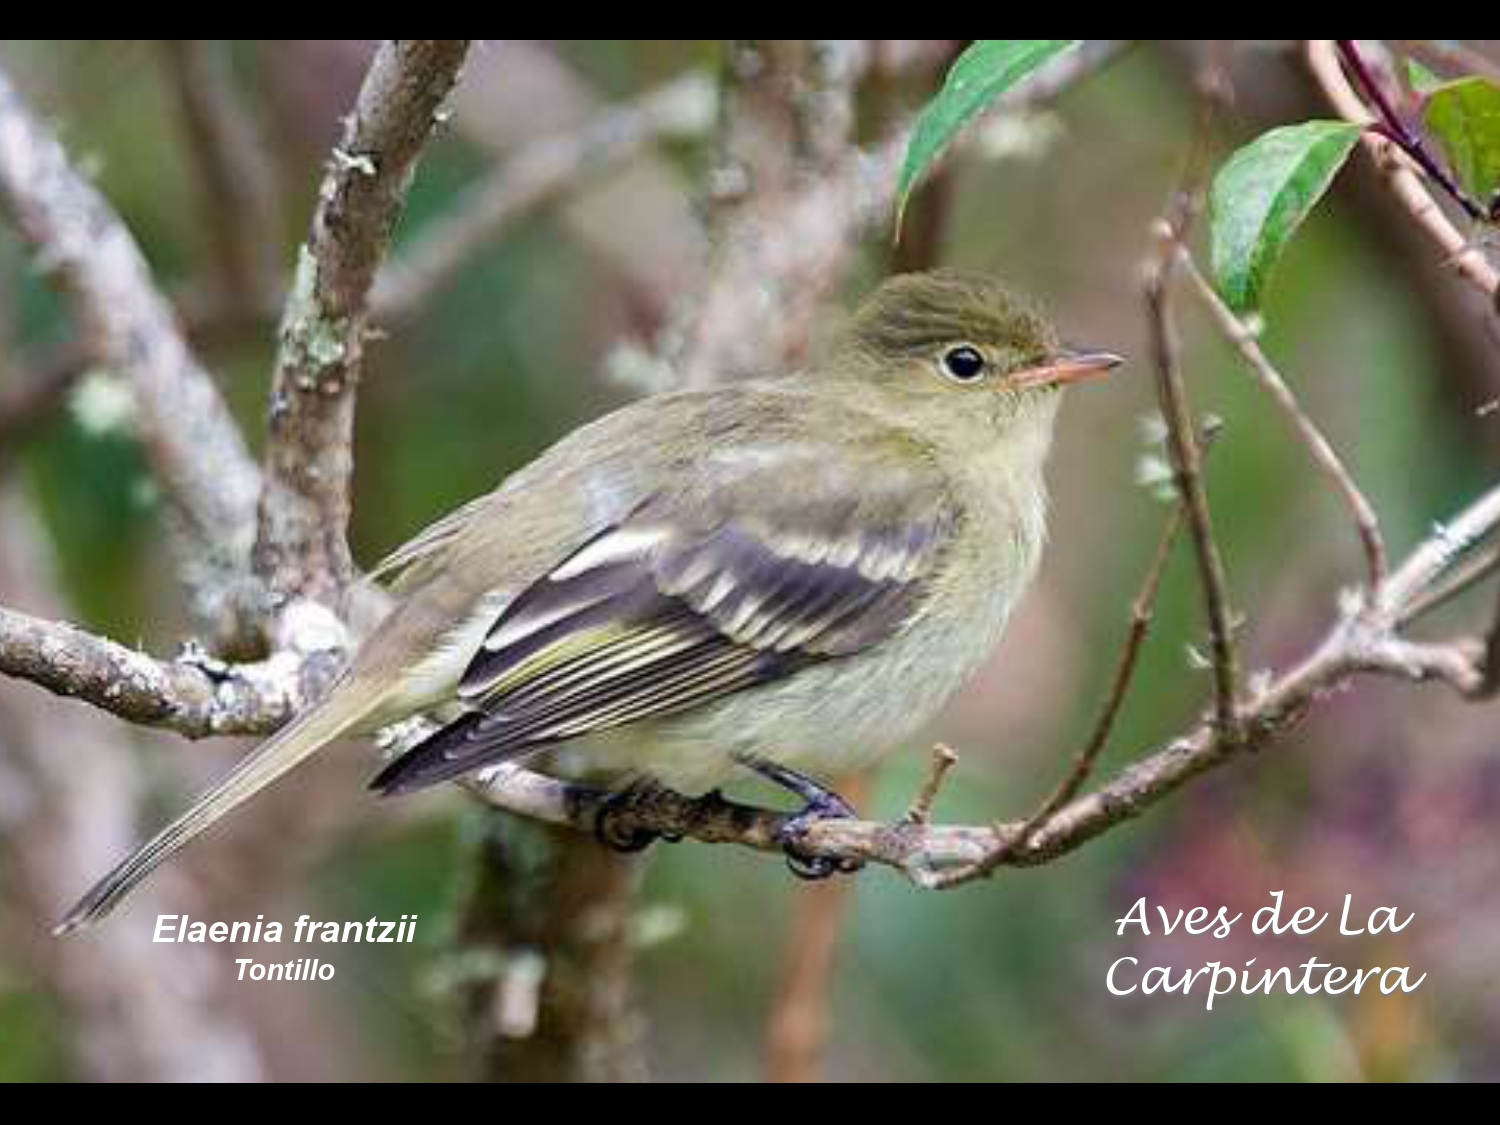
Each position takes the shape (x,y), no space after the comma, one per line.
(965,364)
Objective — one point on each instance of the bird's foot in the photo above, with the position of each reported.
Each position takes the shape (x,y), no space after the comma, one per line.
(615,827)
(822,804)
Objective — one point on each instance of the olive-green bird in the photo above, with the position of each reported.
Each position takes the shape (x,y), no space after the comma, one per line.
(790,575)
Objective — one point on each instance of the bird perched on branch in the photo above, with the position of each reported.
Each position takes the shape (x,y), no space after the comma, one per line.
(789,576)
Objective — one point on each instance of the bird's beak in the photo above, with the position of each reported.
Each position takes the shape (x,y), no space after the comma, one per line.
(1067,369)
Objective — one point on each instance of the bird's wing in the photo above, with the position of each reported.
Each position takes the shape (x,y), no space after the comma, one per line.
(695,597)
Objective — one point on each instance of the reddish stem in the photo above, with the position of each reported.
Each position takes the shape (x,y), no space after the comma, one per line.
(1394,128)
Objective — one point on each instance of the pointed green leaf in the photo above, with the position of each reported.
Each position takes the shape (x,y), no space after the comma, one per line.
(1264,194)
(985,72)
(1465,116)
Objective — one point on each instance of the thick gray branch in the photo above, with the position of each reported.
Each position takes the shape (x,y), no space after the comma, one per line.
(79,242)
(302,550)
(190,696)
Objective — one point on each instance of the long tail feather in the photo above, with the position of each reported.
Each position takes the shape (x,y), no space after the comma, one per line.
(282,753)
(458,749)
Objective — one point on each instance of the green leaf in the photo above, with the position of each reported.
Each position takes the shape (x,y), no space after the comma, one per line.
(1264,194)
(1465,117)
(984,72)
(1423,80)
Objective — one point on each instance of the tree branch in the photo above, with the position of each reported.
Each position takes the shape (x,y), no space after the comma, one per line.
(1468,576)
(238,195)
(302,550)
(1187,464)
(190,696)
(1243,338)
(944,761)
(1401,176)
(189,435)
(1392,124)
(1142,617)
(1437,555)
(947,857)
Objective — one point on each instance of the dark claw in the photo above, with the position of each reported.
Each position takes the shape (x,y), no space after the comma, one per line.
(814,868)
(809,868)
(817,868)
(822,804)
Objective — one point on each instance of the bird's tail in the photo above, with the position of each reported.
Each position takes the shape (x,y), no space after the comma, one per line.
(336,716)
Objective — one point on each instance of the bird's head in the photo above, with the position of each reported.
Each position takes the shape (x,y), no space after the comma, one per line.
(950,344)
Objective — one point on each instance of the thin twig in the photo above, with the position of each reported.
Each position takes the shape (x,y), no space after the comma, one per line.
(944,761)
(238,195)
(1394,126)
(302,549)
(1187,464)
(1243,338)
(536,176)
(1473,573)
(1436,557)
(1401,177)
(932,856)
(1184,446)
(1142,617)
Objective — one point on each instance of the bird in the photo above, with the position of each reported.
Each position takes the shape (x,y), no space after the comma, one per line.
(787,575)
